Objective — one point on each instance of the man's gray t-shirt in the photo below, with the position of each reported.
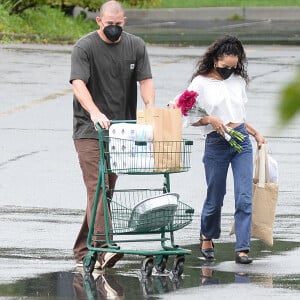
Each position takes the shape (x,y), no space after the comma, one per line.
(111,72)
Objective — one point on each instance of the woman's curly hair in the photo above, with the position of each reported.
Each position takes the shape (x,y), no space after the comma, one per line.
(227,45)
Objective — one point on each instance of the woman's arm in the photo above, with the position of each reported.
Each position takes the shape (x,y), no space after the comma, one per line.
(215,122)
(260,139)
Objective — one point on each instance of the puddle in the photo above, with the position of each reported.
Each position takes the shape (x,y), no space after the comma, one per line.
(273,269)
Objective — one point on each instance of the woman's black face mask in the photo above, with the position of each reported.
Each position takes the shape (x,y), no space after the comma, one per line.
(225,72)
(113,32)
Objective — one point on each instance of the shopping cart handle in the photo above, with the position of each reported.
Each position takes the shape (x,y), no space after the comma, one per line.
(122,121)
(98,127)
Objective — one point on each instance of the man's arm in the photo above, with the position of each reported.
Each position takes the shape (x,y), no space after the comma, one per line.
(147,92)
(85,99)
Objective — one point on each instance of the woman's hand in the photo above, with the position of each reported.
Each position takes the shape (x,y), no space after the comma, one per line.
(217,124)
(260,139)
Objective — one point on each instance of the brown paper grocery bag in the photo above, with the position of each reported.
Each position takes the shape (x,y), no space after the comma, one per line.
(265,194)
(264,201)
(167,137)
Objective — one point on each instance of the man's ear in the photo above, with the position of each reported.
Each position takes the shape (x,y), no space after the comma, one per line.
(98,21)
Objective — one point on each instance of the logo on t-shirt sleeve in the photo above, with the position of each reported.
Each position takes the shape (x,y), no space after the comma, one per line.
(132,66)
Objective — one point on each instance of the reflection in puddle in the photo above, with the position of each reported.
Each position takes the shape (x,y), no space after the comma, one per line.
(126,282)
(106,286)
(209,276)
(97,286)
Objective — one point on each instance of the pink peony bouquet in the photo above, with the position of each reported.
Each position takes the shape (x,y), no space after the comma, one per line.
(186,101)
(191,112)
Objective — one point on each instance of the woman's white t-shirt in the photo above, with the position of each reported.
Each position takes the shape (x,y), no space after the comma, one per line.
(222,98)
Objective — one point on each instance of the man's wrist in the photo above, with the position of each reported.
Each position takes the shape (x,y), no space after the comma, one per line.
(149,103)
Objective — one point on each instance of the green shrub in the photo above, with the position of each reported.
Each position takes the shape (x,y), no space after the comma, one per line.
(19,6)
(43,24)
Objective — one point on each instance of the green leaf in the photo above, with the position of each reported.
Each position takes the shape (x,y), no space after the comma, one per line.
(289,104)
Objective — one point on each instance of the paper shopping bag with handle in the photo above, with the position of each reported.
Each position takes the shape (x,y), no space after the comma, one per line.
(167,137)
(264,201)
(265,194)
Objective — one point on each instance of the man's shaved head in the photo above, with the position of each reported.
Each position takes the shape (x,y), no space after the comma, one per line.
(111,6)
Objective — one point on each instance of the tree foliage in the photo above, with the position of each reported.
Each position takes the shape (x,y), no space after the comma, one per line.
(19,6)
(142,3)
(289,105)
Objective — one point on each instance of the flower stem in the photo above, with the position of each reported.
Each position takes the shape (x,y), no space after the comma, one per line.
(233,143)
(236,134)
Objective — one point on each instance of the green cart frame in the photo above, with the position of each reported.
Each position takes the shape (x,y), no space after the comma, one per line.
(120,217)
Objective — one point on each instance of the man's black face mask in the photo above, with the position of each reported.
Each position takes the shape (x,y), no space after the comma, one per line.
(113,32)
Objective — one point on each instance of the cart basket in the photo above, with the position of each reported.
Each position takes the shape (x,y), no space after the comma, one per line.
(148,211)
(130,156)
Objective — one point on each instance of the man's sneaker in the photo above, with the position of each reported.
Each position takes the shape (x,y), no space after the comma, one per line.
(79,264)
(109,259)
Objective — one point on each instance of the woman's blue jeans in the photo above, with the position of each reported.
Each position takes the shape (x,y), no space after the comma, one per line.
(218,155)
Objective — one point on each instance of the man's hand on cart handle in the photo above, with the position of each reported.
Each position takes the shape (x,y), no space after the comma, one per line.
(101,119)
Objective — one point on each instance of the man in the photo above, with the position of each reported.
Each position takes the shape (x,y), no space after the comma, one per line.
(105,67)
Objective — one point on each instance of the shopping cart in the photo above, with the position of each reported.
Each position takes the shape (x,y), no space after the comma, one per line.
(142,214)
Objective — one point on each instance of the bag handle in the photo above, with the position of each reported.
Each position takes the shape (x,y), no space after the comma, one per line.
(262,174)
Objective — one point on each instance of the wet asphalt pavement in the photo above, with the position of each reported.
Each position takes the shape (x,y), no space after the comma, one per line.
(42,195)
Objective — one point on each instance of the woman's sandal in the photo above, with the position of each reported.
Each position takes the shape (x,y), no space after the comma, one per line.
(208,253)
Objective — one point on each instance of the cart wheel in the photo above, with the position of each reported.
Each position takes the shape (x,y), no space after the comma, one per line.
(161,266)
(178,265)
(89,263)
(147,266)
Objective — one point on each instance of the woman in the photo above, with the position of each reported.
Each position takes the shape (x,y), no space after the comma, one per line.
(220,81)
